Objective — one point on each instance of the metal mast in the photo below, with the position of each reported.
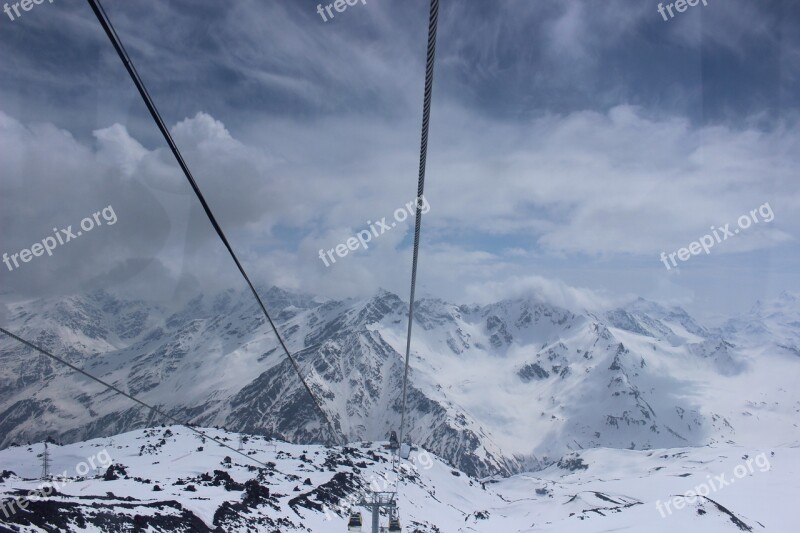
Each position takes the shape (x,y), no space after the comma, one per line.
(46,463)
(380,500)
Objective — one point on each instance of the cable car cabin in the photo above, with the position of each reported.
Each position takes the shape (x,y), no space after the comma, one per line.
(405,451)
(394,525)
(355,521)
(394,444)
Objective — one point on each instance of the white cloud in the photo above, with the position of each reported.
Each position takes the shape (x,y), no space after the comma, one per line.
(615,184)
(556,292)
(620,182)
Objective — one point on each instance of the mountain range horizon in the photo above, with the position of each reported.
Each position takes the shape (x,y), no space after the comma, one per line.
(496,389)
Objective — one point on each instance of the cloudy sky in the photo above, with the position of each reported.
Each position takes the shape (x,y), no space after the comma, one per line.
(572,142)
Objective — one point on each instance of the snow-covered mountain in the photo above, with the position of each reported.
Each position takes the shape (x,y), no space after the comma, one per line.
(170,479)
(773,326)
(494,389)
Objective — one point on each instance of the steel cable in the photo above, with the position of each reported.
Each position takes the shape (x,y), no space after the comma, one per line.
(123,393)
(105,22)
(423,158)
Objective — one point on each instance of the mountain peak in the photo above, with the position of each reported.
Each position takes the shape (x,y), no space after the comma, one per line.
(383,293)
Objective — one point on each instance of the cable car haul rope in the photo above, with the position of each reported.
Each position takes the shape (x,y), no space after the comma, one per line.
(123,55)
(423,159)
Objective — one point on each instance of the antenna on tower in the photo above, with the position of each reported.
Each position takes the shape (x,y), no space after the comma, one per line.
(46,463)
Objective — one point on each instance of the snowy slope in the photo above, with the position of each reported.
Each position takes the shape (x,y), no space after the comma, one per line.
(306,488)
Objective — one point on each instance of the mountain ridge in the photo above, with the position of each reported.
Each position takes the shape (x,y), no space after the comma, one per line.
(495,389)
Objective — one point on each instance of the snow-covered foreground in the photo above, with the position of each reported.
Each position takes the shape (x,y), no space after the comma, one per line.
(302,487)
